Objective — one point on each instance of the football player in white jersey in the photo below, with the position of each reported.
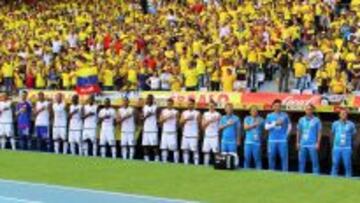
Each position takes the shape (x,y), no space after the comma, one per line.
(59,124)
(169,122)
(42,122)
(6,122)
(107,117)
(126,118)
(150,129)
(210,125)
(90,127)
(190,121)
(75,125)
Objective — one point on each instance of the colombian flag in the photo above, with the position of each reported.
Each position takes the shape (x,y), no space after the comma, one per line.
(87,81)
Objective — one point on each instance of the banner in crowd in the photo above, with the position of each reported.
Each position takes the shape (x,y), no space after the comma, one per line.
(241,101)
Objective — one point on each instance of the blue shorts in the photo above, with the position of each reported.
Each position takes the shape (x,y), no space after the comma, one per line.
(42,132)
(228,147)
(23,132)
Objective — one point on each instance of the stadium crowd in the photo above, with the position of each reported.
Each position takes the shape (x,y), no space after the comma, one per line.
(53,124)
(234,45)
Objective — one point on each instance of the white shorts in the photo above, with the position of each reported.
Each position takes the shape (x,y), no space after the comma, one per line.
(127,138)
(211,144)
(150,139)
(7,130)
(189,143)
(75,136)
(59,133)
(89,134)
(169,141)
(107,137)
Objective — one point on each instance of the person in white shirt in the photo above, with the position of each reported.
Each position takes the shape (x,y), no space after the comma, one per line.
(126,118)
(90,127)
(165,80)
(154,82)
(42,121)
(59,124)
(190,120)
(169,121)
(210,124)
(72,40)
(107,116)
(150,129)
(75,125)
(6,122)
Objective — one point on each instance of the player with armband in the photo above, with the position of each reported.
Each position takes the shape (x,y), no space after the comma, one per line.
(279,126)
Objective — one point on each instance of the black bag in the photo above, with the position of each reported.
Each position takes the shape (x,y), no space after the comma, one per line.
(224,162)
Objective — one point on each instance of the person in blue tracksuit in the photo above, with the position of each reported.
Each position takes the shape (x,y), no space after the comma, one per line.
(254,128)
(343,132)
(308,139)
(230,132)
(279,126)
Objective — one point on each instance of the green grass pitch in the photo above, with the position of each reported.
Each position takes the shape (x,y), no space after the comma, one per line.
(197,183)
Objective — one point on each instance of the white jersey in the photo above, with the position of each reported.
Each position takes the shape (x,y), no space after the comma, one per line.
(60,115)
(90,122)
(191,127)
(213,128)
(170,125)
(128,125)
(42,118)
(107,123)
(150,123)
(76,120)
(6,116)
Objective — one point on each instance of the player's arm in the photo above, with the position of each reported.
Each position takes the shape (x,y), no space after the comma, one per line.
(238,131)
(248,126)
(319,135)
(298,134)
(289,126)
(269,124)
(72,113)
(183,120)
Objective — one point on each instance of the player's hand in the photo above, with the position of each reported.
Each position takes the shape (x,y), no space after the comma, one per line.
(279,122)
(297,146)
(230,122)
(317,146)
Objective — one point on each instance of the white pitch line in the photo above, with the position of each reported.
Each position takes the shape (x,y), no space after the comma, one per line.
(13,199)
(120,194)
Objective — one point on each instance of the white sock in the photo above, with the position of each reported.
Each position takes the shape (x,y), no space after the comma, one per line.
(72,148)
(176,156)
(103,151)
(236,160)
(132,153)
(196,158)
(94,146)
(146,158)
(164,156)
(206,159)
(3,142)
(13,143)
(157,158)
(124,152)
(85,148)
(80,149)
(186,157)
(56,147)
(113,152)
(65,147)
